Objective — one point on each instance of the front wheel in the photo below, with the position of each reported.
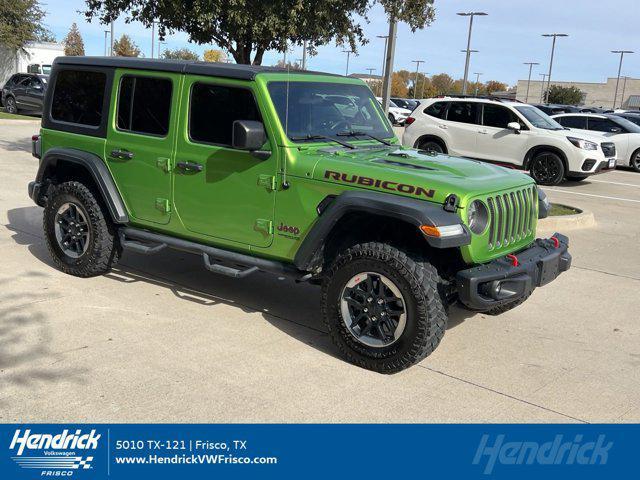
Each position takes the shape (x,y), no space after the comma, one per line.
(635,161)
(382,307)
(547,168)
(392,119)
(80,239)
(10,105)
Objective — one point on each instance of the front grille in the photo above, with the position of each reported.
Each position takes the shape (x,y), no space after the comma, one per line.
(609,149)
(513,216)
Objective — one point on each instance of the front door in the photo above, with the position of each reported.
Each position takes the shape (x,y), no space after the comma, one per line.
(496,142)
(220,191)
(140,141)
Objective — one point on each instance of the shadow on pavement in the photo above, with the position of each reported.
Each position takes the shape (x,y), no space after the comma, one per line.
(293,308)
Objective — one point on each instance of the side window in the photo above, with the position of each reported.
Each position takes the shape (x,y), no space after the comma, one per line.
(230,104)
(144,105)
(601,124)
(437,109)
(497,116)
(78,97)
(573,122)
(463,112)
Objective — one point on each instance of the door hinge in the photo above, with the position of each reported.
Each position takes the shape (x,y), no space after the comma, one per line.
(265,225)
(267,181)
(163,205)
(164,164)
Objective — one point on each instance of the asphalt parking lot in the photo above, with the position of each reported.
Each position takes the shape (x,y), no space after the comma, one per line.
(162,340)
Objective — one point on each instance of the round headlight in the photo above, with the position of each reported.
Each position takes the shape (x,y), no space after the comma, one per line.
(477,217)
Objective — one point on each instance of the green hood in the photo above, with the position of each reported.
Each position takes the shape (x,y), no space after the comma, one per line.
(413,173)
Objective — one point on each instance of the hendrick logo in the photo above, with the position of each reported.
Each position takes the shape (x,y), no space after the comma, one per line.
(556,452)
(377,183)
(53,454)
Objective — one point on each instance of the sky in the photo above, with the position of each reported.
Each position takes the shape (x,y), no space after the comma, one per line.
(507,37)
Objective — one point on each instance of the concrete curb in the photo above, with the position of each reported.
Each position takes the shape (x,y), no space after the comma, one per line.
(6,121)
(584,219)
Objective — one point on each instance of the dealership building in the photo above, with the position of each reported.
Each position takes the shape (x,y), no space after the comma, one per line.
(593,94)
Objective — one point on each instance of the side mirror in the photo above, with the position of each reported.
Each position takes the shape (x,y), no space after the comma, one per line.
(616,130)
(514,126)
(248,135)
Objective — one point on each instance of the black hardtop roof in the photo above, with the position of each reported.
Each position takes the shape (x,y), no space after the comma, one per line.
(214,69)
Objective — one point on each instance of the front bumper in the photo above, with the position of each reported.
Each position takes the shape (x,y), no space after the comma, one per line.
(505,280)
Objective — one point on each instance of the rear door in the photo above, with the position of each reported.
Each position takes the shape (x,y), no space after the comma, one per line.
(34,94)
(496,141)
(462,126)
(20,93)
(140,141)
(219,191)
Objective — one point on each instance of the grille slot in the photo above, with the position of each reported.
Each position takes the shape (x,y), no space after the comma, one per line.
(609,149)
(512,216)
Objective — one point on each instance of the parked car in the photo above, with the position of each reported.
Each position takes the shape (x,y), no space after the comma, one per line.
(257,170)
(397,115)
(407,103)
(615,128)
(554,109)
(633,117)
(24,92)
(510,133)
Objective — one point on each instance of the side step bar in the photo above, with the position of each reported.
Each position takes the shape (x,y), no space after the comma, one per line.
(216,260)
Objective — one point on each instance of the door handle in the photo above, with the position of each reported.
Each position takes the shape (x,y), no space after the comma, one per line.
(190,167)
(121,154)
(444,127)
(483,131)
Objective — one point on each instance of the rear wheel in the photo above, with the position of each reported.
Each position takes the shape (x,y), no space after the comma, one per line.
(80,239)
(382,307)
(634,162)
(10,105)
(547,168)
(392,119)
(432,146)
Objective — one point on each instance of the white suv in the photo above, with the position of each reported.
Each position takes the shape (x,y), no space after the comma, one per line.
(397,115)
(622,132)
(511,133)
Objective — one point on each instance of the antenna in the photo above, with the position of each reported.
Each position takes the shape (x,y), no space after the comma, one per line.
(285,183)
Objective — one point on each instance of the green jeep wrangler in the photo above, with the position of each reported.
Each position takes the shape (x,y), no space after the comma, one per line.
(295,174)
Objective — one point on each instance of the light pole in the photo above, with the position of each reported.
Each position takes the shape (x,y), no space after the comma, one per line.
(111,39)
(477,74)
(153,36)
(304,55)
(423,82)
(106,32)
(621,52)
(348,52)
(160,43)
(531,64)
(544,76)
(624,88)
(384,58)
(553,48)
(466,63)
(415,84)
(388,63)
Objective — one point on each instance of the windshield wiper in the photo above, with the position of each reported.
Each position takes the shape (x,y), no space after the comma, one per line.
(323,137)
(363,134)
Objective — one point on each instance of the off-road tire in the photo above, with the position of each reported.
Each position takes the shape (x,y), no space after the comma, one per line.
(103,249)
(508,306)
(552,163)
(419,283)
(10,105)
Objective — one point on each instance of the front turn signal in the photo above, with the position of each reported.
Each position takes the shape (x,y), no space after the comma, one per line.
(442,231)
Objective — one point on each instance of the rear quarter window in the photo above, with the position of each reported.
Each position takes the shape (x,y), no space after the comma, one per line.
(437,109)
(78,97)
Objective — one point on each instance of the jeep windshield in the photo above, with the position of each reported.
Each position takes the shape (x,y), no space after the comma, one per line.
(313,111)
(539,119)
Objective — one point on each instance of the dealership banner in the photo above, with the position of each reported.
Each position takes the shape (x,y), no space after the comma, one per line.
(86,451)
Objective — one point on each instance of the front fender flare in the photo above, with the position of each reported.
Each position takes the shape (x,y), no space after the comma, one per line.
(410,210)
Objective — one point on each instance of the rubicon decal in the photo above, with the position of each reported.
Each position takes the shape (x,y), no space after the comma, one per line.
(57,454)
(377,183)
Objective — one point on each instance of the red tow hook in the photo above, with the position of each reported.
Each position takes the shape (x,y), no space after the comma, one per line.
(514,259)
(555,241)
